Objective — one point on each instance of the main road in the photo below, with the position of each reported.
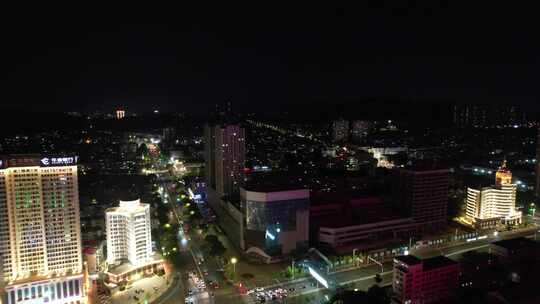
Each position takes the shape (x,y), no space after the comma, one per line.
(363,277)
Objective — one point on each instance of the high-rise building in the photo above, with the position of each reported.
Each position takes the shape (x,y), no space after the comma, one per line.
(361,129)
(40,238)
(225,158)
(210,155)
(490,206)
(538,163)
(340,130)
(129,236)
(488,115)
(432,280)
(423,194)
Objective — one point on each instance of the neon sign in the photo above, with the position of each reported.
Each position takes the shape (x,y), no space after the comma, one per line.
(58,161)
(270,236)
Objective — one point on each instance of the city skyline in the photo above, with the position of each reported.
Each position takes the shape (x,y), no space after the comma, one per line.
(378,153)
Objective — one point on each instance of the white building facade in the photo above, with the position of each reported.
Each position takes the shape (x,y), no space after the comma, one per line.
(129,233)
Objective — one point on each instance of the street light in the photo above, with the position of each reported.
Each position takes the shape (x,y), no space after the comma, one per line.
(234,261)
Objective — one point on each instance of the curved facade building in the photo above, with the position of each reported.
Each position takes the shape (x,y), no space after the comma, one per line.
(490,206)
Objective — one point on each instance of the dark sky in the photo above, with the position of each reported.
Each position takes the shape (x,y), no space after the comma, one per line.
(178,58)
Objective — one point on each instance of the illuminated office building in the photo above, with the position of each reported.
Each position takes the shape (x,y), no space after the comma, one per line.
(129,233)
(40,239)
(490,206)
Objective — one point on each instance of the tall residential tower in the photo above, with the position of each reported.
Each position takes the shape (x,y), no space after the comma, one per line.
(423,194)
(225,158)
(538,164)
(129,233)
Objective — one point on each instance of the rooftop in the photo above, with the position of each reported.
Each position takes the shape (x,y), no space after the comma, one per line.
(272,187)
(408,259)
(129,206)
(517,243)
(359,214)
(425,166)
(437,262)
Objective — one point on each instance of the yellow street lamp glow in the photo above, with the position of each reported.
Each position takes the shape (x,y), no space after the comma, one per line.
(174,249)
(188,204)
(167,225)
(233,261)
(183,196)
(192,212)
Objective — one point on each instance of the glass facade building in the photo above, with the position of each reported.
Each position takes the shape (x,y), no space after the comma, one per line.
(276,221)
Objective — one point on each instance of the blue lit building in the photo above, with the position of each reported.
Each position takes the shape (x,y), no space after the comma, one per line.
(276,219)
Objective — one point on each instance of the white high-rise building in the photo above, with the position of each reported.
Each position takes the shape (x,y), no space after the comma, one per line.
(490,206)
(40,238)
(129,233)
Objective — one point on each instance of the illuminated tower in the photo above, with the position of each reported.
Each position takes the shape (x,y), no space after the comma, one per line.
(503,176)
(120,113)
(40,239)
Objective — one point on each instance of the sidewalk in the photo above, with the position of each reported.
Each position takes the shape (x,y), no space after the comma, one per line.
(173,284)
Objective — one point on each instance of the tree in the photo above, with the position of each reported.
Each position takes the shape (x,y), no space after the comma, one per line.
(212,239)
(217,249)
(377,295)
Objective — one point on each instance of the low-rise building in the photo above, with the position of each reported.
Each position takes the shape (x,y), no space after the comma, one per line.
(359,222)
(430,280)
(518,249)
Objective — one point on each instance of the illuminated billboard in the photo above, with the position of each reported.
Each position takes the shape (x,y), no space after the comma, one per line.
(58,161)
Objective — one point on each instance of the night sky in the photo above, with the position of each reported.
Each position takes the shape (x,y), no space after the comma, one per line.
(178,59)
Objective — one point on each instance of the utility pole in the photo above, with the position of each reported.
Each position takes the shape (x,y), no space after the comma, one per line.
(377,262)
(292,268)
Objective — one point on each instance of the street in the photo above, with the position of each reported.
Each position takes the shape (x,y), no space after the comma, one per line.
(201,274)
